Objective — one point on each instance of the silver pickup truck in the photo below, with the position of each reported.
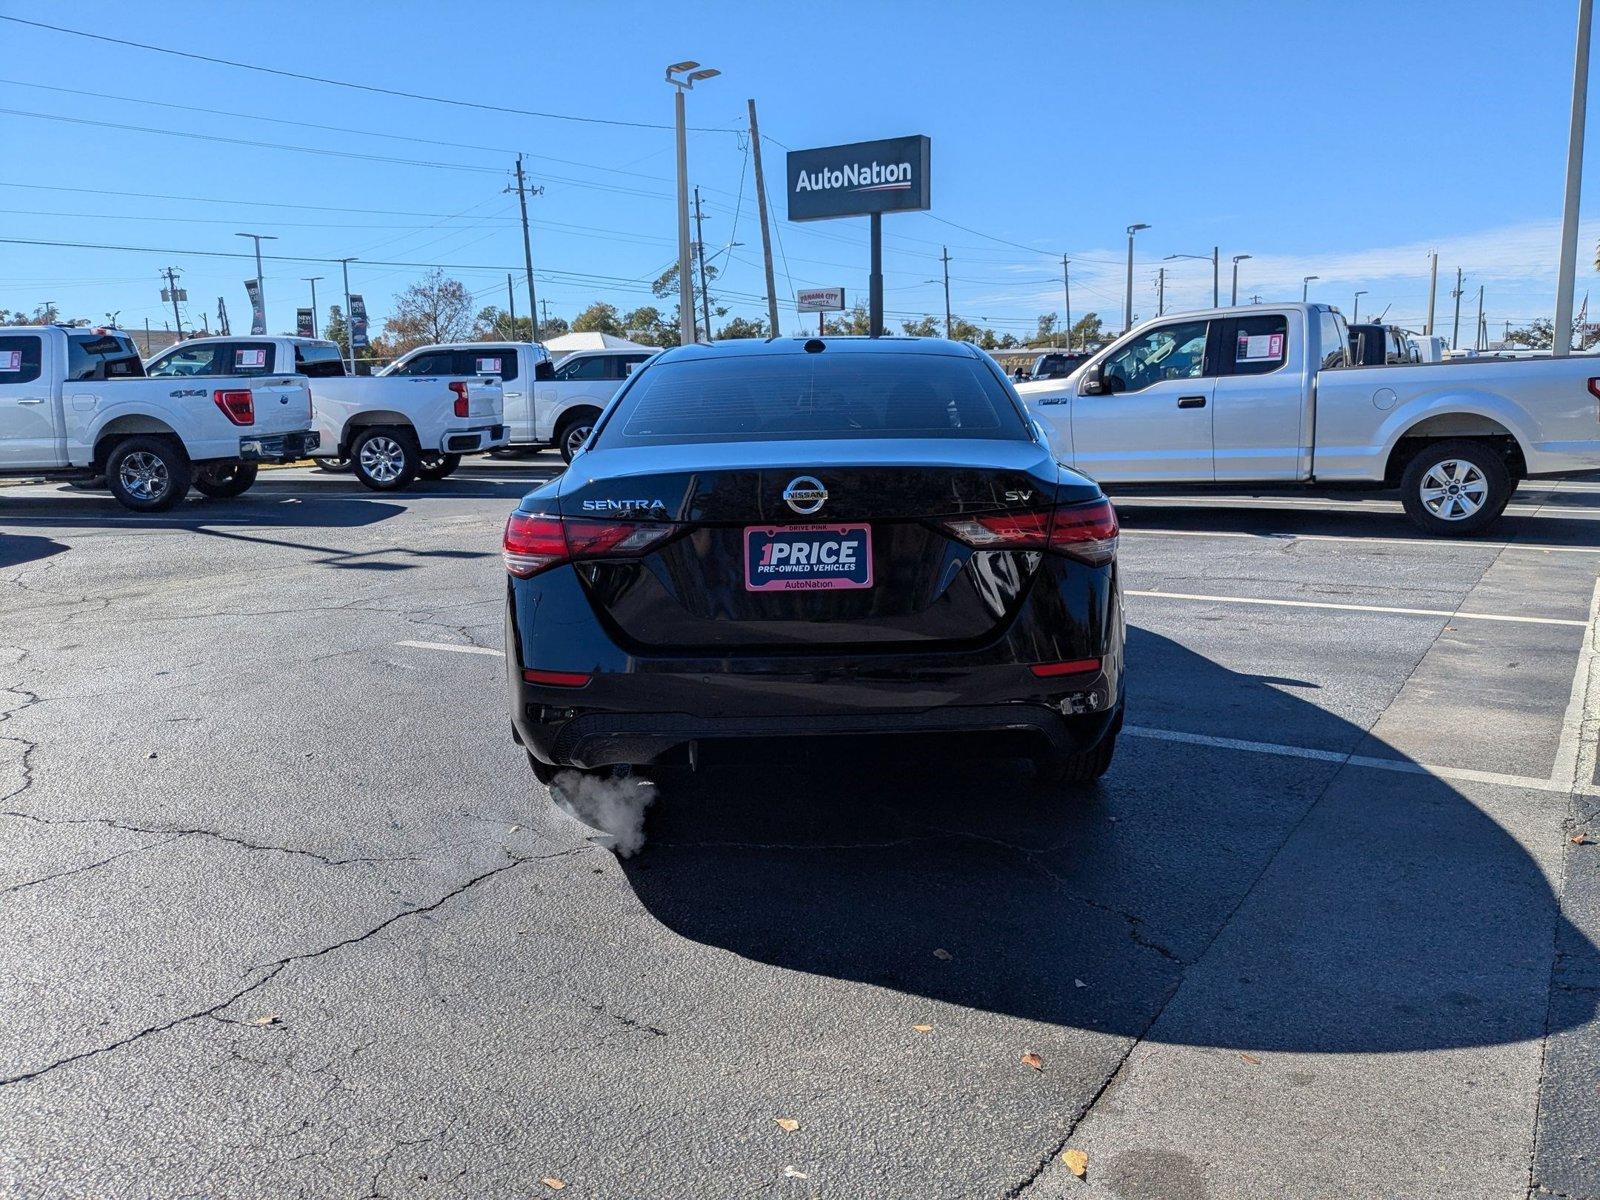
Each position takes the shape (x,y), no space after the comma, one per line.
(1266,394)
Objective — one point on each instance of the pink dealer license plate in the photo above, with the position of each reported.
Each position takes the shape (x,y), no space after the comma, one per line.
(807,558)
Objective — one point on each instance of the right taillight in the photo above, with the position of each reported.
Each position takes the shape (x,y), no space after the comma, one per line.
(537,541)
(1087,532)
(238,406)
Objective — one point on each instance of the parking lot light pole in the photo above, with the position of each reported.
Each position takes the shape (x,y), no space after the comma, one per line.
(1127,308)
(349,338)
(1233,297)
(312,280)
(1355,311)
(683,76)
(1305,286)
(261,284)
(1215,279)
(1567,270)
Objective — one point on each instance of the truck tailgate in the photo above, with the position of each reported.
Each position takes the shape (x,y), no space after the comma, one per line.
(281,405)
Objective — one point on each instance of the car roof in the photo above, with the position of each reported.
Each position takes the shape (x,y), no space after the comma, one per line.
(831,344)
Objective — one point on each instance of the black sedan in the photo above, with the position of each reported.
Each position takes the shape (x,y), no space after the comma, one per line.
(814,538)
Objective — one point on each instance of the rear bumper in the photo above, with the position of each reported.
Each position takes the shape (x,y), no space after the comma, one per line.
(279,447)
(473,440)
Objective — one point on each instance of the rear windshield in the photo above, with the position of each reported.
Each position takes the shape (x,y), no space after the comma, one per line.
(92,356)
(318,361)
(811,396)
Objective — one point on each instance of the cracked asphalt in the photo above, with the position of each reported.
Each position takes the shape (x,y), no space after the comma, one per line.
(284,913)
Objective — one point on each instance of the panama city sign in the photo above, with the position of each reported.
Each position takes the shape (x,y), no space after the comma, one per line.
(859,179)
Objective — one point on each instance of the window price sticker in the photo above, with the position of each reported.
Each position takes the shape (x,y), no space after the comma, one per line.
(10,360)
(1262,347)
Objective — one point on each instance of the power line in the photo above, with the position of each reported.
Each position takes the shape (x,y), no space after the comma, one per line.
(345,83)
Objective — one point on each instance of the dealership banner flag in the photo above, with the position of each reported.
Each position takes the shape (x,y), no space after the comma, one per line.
(258,311)
(358,323)
(305,324)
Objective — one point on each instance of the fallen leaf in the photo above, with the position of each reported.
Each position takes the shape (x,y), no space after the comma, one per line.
(1079,983)
(1250,1058)
(943,955)
(269,1019)
(923,1028)
(514,828)
(787,1124)
(1077,1161)
(554,1184)
(1582,839)
(1033,1060)
(791,1173)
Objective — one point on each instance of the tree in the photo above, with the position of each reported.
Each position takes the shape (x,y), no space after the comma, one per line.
(599,317)
(435,309)
(923,327)
(494,323)
(1536,335)
(743,327)
(857,322)
(962,330)
(1089,332)
(337,329)
(1046,334)
(666,286)
(552,327)
(647,326)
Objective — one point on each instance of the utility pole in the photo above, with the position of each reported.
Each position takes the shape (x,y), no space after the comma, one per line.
(700,242)
(522,191)
(945,258)
(147,337)
(1433,288)
(546,304)
(1161,291)
(761,204)
(511,306)
(1066,296)
(1569,210)
(1216,277)
(171,274)
(222,317)
(1455,330)
(1477,334)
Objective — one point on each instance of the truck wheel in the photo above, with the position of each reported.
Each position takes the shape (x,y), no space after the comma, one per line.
(332,465)
(148,474)
(1455,489)
(385,457)
(1053,769)
(222,481)
(437,466)
(574,431)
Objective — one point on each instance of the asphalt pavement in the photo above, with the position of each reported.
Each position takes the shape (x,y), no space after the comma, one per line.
(283,912)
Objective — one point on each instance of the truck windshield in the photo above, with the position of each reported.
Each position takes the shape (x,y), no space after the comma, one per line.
(102,356)
(318,361)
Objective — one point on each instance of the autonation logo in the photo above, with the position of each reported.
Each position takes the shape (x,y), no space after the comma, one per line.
(857,177)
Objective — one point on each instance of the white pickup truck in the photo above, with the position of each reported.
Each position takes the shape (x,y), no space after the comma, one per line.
(546,405)
(74,405)
(1265,394)
(388,431)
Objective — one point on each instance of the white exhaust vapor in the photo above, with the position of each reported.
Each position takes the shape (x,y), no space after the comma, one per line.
(613,804)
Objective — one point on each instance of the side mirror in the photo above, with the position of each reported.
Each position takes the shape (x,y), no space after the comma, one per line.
(1094,382)
(544,371)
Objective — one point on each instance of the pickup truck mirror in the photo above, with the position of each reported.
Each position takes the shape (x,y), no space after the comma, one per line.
(1094,382)
(544,372)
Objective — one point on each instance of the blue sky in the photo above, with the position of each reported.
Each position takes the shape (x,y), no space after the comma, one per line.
(1342,140)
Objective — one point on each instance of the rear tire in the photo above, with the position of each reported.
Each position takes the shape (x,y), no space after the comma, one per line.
(573,431)
(333,466)
(437,466)
(149,474)
(223,481)
(1053,769)
(1456,488)
(385,457)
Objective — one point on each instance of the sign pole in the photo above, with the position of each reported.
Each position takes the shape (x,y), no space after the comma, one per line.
(875,280)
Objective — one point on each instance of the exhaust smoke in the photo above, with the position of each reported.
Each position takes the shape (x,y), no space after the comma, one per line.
(613,804)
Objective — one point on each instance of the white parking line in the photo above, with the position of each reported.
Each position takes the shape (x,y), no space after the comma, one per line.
(454,648)
(1571,762)
(1417,542)
(1404,766)
(1370,608)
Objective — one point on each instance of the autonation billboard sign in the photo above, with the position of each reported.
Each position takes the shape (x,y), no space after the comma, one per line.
(859,179)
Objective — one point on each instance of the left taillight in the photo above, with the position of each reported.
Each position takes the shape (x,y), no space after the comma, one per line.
(1087,532)
(238,406)
(537,541)
(460,389)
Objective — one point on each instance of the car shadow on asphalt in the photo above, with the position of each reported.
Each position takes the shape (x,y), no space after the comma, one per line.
(17,549)
(1304,907)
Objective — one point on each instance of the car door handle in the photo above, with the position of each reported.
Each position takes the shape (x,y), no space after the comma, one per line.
(1191,401)
(32,400)
(513,395)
